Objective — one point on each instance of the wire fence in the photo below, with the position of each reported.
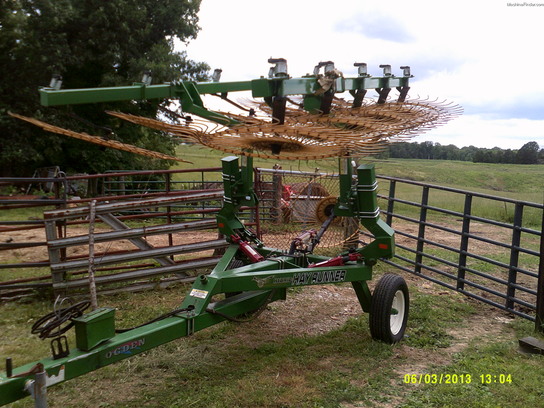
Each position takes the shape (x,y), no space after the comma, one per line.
(295,201)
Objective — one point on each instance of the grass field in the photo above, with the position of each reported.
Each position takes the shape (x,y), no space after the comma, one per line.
(315,350)
(505,180)
(519,182)
(312,351)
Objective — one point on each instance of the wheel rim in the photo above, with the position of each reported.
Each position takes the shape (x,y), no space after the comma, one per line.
(398,309)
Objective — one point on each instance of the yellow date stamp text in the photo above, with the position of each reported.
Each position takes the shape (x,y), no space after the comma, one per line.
(455,378)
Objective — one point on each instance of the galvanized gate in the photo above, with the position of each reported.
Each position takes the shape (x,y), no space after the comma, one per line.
(487,247)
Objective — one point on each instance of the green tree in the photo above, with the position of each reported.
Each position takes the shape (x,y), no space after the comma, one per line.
(90,43)
(467,153)
(509,156)
(528,154)
(426,150)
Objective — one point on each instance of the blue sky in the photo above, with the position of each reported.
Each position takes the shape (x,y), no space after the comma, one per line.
(483,55)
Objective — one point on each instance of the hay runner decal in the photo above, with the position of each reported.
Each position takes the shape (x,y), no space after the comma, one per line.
(303,278)
(309,278)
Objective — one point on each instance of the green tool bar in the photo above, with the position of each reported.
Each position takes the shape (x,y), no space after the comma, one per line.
(130,343)
(52,97)
(223,87)
(260,88)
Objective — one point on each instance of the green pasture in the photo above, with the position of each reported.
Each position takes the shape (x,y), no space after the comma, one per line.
(506,180)
(516,182)
(239,365)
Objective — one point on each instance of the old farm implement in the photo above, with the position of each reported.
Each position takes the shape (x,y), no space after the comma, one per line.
(299,118)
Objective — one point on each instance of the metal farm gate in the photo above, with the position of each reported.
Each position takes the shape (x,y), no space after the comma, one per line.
(486,247)
(124,265)
(153,228)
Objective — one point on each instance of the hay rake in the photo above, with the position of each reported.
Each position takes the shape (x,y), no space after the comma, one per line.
(300,118)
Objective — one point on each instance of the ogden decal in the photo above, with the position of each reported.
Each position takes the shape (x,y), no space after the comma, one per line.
(126,348)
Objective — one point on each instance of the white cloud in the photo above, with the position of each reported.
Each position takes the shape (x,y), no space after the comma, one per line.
(478,131)
(483,55)
(375,25)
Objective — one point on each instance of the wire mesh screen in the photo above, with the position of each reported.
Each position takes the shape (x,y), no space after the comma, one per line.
(294,201)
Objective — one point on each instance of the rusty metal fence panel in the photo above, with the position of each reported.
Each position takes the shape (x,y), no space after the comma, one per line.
(22,235)
(22,238)
(62,263)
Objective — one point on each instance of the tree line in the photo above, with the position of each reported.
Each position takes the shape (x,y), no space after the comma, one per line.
(529,153)
(91,43)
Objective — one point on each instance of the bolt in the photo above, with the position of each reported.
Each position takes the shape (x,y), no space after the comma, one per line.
(386,69)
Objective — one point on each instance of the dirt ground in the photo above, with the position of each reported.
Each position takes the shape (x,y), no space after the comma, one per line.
(40,252)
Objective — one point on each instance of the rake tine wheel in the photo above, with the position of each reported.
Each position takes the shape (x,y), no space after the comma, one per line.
(293,134)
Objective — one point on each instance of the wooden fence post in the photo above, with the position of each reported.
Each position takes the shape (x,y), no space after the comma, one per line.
(277,187)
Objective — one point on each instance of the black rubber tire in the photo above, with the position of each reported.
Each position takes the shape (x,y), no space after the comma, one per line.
(390,295)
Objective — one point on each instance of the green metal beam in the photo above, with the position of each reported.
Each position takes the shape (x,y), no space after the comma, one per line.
(130,343)
(223,87)
(189,92)
(51,97)
(264,87)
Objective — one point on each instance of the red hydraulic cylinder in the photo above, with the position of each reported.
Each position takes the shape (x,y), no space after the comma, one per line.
(337,261)
(247,249)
